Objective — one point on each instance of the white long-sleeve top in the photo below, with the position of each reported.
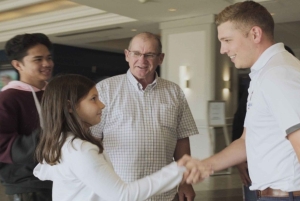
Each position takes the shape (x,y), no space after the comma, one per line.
(85,175)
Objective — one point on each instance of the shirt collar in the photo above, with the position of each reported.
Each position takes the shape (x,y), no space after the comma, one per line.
(138,86)
(265,57)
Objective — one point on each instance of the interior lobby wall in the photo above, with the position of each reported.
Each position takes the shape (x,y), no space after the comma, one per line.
(192,43)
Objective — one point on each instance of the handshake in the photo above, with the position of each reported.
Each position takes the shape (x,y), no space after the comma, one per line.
(196,170)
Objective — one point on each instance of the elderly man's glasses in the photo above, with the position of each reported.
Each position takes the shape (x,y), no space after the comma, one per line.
(137,55)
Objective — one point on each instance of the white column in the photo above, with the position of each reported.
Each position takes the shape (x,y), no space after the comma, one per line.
(192,43)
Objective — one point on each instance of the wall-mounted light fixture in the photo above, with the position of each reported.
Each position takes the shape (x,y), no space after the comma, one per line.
(184,77)
(227,84)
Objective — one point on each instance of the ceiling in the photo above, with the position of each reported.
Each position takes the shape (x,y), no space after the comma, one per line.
(109,24)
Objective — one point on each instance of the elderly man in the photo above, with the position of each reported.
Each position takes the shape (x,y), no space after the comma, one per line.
(147,121)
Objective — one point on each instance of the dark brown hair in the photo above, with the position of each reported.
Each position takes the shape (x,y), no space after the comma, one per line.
(16,48)
(62,94)
(247,14)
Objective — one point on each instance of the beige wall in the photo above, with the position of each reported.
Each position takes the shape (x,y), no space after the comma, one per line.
(193,42)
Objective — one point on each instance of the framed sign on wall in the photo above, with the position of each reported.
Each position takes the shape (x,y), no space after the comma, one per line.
(216,113)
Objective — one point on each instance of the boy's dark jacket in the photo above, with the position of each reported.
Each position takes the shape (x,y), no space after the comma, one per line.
(19,131)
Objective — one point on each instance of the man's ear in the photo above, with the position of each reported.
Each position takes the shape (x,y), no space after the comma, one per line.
(17,65)
(126,55)
(161,58)
(256,34)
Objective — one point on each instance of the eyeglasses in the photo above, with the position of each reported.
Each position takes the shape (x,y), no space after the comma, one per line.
(149,56)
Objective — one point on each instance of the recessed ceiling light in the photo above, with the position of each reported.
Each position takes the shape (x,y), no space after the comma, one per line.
(172,9)
(133,29)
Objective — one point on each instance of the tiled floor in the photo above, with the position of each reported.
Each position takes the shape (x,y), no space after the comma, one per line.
(225,187)
(215,188)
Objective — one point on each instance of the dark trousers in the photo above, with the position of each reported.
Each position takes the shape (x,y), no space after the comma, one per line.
(248,194)
(35,196)
(176,198)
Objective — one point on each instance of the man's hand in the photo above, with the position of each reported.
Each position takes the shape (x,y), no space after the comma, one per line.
(186,192)
(243,170)
(196,170)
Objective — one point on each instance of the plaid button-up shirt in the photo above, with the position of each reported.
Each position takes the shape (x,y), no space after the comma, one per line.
(140,128)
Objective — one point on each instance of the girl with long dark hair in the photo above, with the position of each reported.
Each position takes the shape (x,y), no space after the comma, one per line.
(74,160)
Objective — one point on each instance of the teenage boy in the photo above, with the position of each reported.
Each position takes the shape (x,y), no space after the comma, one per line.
(30,55)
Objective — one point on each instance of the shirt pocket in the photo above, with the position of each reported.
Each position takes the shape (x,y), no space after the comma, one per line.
(168,115)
